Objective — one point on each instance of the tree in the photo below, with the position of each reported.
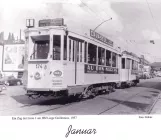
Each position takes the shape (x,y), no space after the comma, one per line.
(9,37)
(13,38)
(1,37)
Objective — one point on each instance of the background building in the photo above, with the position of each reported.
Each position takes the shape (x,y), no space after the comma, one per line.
(12,53)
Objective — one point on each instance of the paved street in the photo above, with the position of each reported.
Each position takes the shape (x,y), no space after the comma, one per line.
(143,99)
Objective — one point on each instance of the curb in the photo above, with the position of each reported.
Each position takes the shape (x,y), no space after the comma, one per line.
(149,112)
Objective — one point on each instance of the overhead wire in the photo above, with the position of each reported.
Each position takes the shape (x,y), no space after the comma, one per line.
(151,13)
(90,9)
(154,21)
(130,43)
(95,12)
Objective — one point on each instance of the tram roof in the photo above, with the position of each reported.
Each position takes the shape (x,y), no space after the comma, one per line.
(130,54)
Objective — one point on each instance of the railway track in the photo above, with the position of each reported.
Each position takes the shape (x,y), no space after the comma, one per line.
(118,103)
(28,107)
(31,108)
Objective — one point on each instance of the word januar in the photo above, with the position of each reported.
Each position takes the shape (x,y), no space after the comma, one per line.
(80,131)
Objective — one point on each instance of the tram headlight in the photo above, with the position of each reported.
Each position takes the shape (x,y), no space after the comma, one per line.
(37,76)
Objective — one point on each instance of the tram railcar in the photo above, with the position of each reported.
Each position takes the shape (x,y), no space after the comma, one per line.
(129,69)
(63,62)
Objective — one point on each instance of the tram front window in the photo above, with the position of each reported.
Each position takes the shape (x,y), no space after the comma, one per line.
(56,47)
(41,47)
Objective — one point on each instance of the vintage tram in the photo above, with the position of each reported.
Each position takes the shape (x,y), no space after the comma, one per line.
(61,61)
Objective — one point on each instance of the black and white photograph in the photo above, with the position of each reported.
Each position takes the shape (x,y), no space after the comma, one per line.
(81,57)
(80,69)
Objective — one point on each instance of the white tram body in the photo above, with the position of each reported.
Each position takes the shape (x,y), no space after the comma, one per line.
(60,59)
(129,67)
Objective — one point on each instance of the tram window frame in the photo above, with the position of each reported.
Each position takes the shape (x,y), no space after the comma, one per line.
(123,63)
(101,57)
(92,51)
(85,52)
(108,61)
(114,54)
(57,57)
(65,48)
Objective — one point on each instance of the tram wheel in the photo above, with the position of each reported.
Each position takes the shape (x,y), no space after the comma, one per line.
(118,85)
(89,93)
(135,84)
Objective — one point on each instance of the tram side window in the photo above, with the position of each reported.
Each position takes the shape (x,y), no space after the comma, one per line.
(85,52)
(92,51)
(134,65)
(114,59)
(101,56)
(77,45)
(128,63)
(65,47)
(70,50)
(56,47)
(123,63)
(73,51)
(80,52)
(108,58)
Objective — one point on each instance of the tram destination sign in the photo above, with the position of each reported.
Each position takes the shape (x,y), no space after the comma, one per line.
(101,38)
(51,22)
(94,69)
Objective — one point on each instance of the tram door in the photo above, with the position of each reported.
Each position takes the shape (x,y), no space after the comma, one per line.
(76,61)
(73,51)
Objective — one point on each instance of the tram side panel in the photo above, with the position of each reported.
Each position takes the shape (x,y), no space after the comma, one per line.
(74,77)
(69,74)
(100,74)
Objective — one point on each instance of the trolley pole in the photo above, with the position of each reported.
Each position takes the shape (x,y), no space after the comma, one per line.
(102,23)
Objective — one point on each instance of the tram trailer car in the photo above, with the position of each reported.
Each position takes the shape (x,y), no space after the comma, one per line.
(63,62)
(129,69)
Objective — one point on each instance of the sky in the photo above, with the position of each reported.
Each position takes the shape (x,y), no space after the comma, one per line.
(131,27)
